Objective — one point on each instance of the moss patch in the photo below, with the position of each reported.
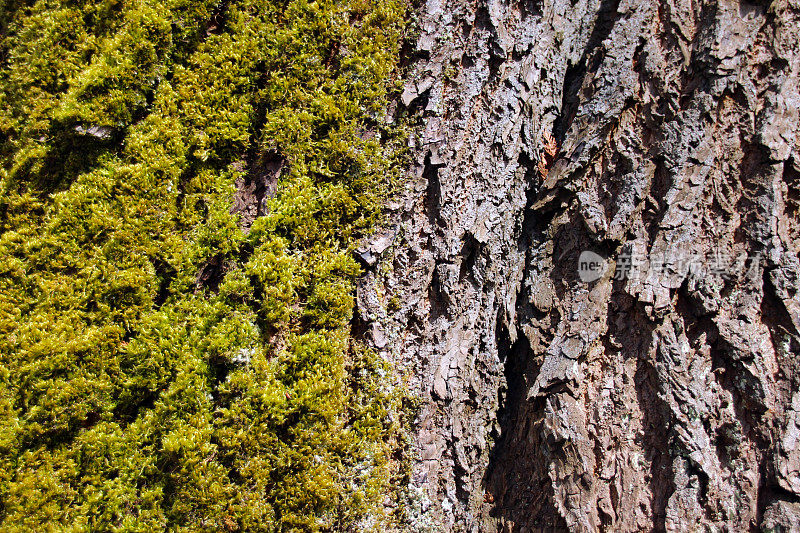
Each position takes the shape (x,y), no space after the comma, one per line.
(133,396)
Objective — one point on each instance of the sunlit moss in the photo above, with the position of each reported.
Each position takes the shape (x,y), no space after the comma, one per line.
(133,397)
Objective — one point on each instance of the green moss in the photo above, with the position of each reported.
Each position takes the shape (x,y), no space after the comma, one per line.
(131,396)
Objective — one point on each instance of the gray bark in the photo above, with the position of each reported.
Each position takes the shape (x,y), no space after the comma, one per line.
(667,400)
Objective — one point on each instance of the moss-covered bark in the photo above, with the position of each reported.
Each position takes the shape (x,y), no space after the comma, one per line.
(131,396)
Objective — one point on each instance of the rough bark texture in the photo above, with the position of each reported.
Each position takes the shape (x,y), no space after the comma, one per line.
(666,400)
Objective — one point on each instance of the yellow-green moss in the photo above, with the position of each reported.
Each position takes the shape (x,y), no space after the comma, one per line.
(131,398)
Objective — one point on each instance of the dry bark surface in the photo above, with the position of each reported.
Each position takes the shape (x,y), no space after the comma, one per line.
(663,395)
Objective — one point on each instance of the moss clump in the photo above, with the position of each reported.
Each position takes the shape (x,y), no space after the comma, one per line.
(133,397)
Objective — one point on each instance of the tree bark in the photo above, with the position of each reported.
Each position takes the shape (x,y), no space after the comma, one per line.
(663,395)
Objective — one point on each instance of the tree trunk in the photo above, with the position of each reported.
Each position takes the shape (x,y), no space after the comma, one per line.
(659,392)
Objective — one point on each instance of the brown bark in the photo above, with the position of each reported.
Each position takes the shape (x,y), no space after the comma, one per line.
(665,401)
